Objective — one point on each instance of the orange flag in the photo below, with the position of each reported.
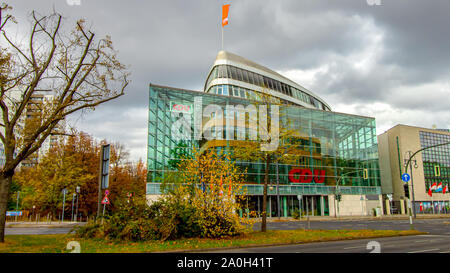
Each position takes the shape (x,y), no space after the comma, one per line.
(225,9)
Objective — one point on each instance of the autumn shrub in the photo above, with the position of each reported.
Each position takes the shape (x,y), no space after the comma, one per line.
(204,205)
(295,213)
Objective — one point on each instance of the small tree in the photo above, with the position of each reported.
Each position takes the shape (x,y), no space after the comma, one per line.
(212,184)
(254,151)
(78,71)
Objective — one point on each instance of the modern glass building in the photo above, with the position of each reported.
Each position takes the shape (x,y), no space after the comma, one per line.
(334,152)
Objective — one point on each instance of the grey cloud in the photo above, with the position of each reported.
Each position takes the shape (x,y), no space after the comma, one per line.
(175,42)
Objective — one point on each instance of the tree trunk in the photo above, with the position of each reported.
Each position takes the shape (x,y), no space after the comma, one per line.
(5,184)
(264,208)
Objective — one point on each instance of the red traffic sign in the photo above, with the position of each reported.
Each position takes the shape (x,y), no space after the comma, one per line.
(105,200)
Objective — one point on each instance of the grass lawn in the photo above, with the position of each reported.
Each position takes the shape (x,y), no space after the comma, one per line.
(57,243)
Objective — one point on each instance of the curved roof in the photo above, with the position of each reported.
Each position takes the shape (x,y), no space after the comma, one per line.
(224,57)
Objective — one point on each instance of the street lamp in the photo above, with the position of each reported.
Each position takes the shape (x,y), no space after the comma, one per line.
(409,157)
(64,192)
(78,192)
(337,192)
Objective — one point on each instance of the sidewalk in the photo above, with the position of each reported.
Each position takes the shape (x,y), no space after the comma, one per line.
(355,218)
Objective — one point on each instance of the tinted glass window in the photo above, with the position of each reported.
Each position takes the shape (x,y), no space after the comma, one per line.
(245,76)
(233,73)
(251,77)
(271,84)
(266,82)
(225,90)
(242,93)
(229,71)
(219,90)
(239,74)
(278,86)
(260,80)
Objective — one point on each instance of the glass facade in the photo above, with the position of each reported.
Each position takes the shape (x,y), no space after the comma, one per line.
(243,75)
(436,161)
(329,147)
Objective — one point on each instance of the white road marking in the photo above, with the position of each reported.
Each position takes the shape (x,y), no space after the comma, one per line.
(354,247)
(425,250)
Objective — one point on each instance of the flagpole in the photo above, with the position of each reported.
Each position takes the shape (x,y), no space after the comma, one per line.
(222,37)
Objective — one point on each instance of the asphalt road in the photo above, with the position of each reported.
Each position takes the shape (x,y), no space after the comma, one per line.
(432,226)
(36,230)
(403,244)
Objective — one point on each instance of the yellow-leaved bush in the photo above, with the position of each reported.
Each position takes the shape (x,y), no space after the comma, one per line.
(211,183)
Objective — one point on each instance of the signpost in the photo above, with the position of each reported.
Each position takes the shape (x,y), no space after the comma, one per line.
(104,202)
(17,203)
(406,177)
(14,213)
(103,180)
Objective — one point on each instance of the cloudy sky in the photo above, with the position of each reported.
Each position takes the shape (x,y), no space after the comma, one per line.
(388,61)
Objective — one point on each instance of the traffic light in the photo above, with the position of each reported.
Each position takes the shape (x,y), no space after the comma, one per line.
(338,197)
(437,170)
(366,174)
(406,189)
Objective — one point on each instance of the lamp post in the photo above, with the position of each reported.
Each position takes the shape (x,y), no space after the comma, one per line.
(64,191)
(409,157)
(73,201)
(78,192)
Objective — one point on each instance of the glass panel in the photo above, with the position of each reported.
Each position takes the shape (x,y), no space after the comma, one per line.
(239,74)
(245,76)
(233,73)
(225,90)
(228,71)
(250,77)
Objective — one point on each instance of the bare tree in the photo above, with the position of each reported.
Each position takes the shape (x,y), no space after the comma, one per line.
(76,69)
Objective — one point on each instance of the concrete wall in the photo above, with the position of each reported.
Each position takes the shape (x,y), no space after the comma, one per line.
(152,198)
(351,205)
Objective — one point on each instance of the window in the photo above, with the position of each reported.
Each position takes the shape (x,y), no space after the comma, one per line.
(219,90)
(271,84)
(243,93)
(235,91)
(251,78)
(233,73)
(229,71)
(260,80)
(225,90)
(266,82)
(220,71)
(245,76)
(278,86)
(239,74)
